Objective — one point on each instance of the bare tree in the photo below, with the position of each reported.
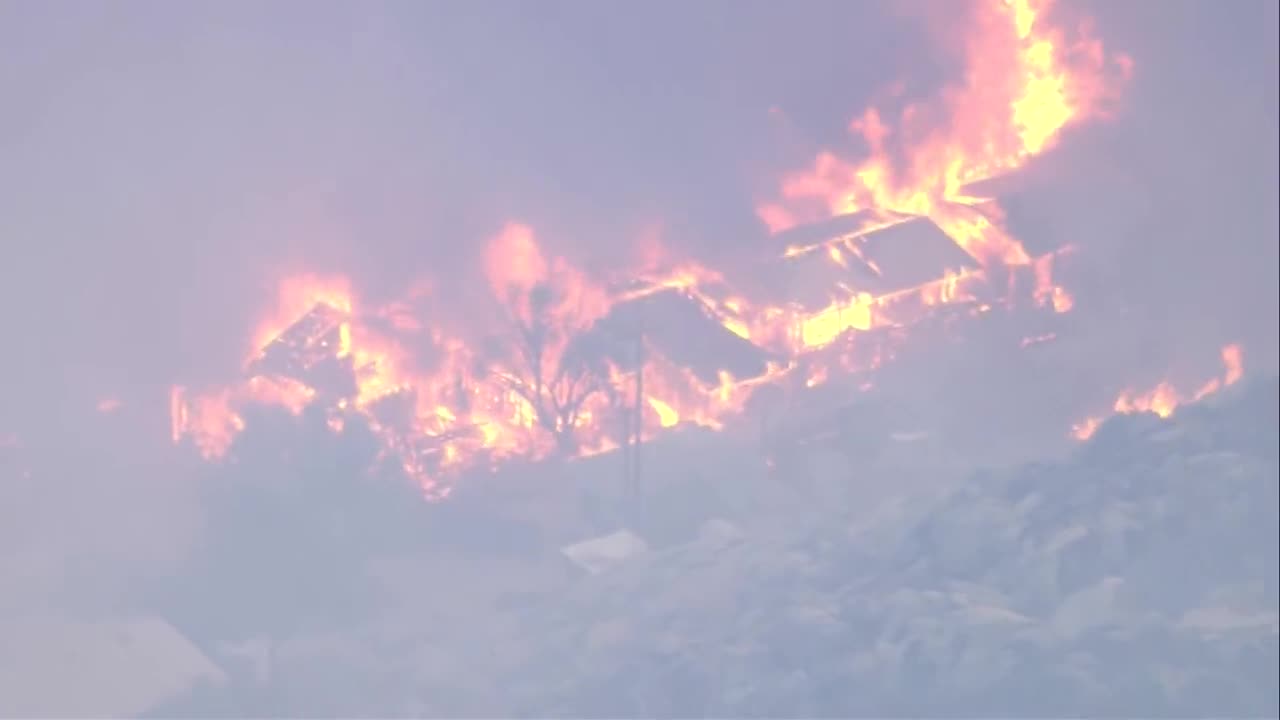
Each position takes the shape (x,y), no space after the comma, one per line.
(556,388)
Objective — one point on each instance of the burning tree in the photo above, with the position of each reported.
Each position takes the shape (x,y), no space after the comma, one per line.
(558,373)
(551,305)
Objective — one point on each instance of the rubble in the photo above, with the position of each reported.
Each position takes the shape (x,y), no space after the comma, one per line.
(600,554)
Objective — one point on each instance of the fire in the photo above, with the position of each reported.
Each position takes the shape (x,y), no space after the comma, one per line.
(565,365)
(1164,398)
(1025,84)
(209,420)
(297,295)
(469,402)
(667,415)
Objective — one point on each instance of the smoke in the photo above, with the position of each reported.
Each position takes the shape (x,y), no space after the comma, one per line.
(166,164)
(1172,203)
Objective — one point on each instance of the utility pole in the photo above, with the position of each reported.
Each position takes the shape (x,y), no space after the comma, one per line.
(628,438)
(637,427)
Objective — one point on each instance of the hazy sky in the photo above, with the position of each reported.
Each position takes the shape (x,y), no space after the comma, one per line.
(161,163)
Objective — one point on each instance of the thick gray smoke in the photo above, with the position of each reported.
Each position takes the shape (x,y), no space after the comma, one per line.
(162,165)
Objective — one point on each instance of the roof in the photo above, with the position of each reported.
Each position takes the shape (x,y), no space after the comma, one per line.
(670,318)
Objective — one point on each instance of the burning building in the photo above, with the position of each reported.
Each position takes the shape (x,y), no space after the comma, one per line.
(580,368)
(868,253)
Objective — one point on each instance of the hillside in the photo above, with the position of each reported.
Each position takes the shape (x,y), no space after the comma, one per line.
(1136,577)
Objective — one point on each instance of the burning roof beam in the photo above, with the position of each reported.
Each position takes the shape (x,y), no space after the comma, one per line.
(315,338)
(671,319)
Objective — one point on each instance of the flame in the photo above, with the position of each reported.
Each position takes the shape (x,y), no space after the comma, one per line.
(1025,83)
(209,420)
(667,415)
(1164,398)
(552,376)
(468,403)
(297,295)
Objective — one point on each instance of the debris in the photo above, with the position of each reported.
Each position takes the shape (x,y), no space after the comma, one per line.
(599,554)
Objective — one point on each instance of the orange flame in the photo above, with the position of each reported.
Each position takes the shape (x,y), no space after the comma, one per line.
(1164,398)
(1023,86)
(540,392)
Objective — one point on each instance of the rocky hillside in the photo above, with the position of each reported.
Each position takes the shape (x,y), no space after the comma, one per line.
(1137,577)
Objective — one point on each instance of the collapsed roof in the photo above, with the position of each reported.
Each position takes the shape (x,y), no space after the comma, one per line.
(683,330)
(873,253)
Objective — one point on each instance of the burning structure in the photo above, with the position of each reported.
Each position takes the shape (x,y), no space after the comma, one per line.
(578,368)
(867,252)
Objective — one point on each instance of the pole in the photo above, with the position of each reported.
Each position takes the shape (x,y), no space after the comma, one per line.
(638,425)
(628,437)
